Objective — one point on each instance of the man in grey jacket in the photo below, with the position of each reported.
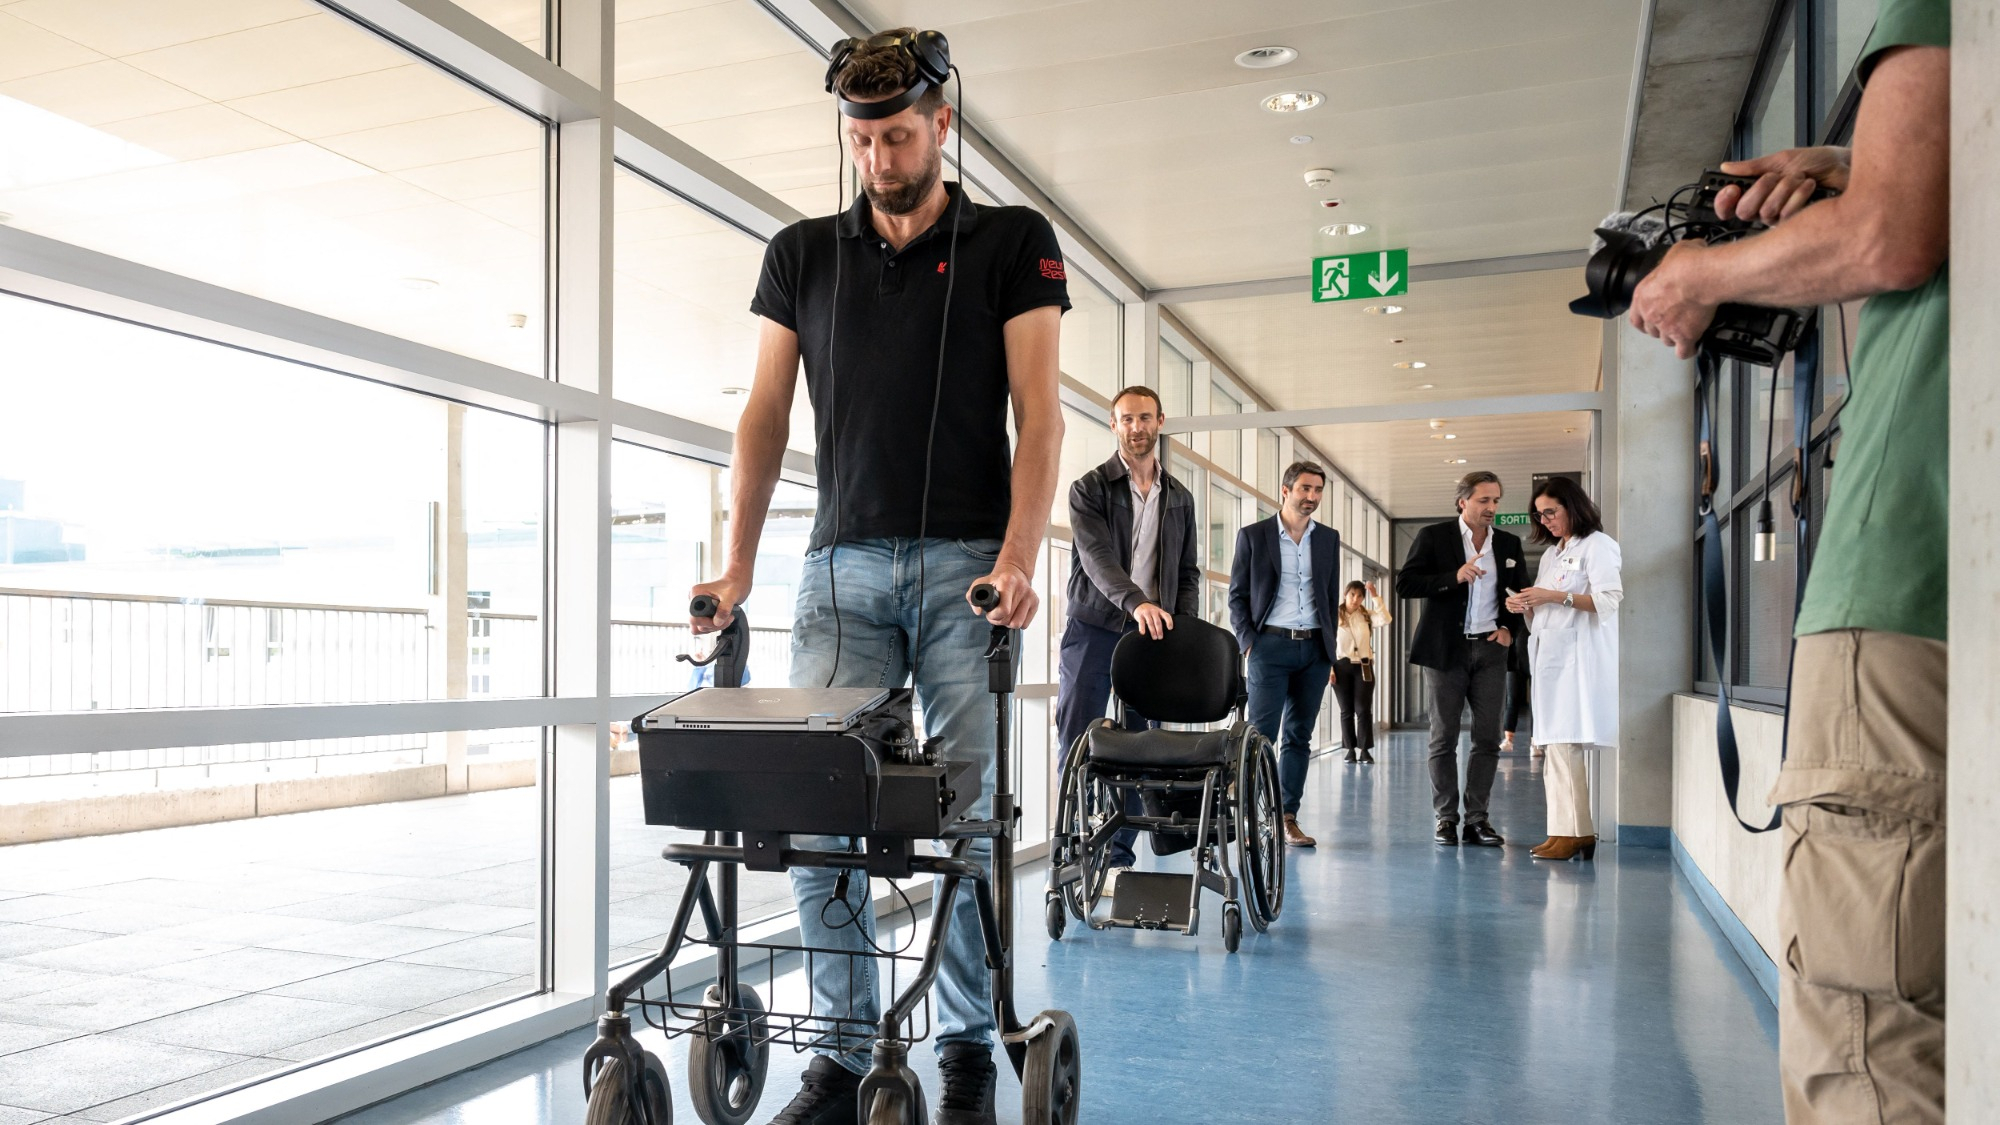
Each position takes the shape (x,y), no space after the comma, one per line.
(1134,568)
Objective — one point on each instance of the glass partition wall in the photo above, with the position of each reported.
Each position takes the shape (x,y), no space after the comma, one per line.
(350,492)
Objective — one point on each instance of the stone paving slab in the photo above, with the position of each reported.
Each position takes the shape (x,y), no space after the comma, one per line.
(253,970)
(471,918)
(353,1037)
(79,1073)
(487,951)
(38,908)
(20,939)
(14,1115)
(111,1002)
(127,953)
(367,939)
(349,908)
(18,980)
(132,917)
(377,983)
(255,1024)
(21,1036)
(146,1101)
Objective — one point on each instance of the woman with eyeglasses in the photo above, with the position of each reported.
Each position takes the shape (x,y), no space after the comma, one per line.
(1572,612)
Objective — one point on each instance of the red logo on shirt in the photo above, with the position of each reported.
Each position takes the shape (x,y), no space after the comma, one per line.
(1052,268)
(940,267)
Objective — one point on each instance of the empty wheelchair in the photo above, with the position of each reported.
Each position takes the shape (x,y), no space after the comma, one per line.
(1213,793)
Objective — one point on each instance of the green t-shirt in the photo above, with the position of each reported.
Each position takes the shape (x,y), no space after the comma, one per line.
(1882,553)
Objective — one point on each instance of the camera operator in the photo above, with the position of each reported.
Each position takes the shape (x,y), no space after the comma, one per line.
(915,489)
(1862,919)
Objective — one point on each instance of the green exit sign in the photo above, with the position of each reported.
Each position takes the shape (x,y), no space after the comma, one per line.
(1349,277)
(1511,519)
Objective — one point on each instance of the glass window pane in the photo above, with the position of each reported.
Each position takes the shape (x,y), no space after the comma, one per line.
(1772,422)
(1091,334)
(1267,462)
(1767,599)
(282,151)
(520,19)
(188,525)
(738,86)
(1086,444)
(1773,122)
(684,340)
(246,943)
(1844,26)
(1176,382)
(1224,517)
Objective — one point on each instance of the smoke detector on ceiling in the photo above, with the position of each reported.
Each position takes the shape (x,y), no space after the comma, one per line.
(1319,178)
(1264,58)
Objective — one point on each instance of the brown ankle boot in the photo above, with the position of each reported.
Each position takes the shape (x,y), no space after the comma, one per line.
(1541,850)
(1568,847)
(1295,836)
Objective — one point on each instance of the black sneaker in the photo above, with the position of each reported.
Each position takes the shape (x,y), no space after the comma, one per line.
(967,1072)
(829,1094)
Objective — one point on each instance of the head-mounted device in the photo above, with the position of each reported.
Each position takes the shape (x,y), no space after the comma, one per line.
(928,59)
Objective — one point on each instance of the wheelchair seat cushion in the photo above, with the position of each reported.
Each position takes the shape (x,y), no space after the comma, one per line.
(1158,749)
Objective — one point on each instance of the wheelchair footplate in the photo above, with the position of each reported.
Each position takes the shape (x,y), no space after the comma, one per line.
(1152,900)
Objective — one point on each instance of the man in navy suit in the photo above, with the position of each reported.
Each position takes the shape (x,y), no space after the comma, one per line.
(1283,593)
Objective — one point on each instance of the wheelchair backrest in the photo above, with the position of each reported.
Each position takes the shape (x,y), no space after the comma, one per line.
(1191,675)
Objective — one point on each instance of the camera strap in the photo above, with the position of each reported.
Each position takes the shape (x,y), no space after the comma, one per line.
(1714,579)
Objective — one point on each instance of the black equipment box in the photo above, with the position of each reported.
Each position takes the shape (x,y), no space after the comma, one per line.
(724,765)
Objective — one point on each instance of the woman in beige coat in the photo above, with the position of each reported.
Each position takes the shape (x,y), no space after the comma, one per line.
(1353,675)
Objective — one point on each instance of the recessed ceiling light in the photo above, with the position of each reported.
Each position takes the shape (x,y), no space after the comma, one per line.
(1437,437)
(1569,429)
(1293,101)
(1454,460)
(517,320)
(419,283)
(736,390)
(1409,365)
(1302,139)
(1382,310)
(1395,339)
(1451,437)
(1344,228)
(1427,386)
(1264,58)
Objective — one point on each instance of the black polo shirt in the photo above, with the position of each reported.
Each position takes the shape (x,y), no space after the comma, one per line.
(872,392)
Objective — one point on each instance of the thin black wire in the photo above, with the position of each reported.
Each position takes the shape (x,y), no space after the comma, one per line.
(937,388)
(854,915)
(832,403)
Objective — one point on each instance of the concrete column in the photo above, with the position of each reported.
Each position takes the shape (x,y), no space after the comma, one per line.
(1653,455)
(1972,932)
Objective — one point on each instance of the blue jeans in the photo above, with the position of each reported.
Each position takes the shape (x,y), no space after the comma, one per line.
(1287,684)
(877,584)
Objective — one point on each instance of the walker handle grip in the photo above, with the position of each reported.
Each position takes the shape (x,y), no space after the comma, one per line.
(985,596)
(703,605)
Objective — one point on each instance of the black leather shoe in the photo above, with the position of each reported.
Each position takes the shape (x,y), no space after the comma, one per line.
(1447,833)
(1480,833)
(1351,755)
(967,1074)
(829,1094)
(1366,758)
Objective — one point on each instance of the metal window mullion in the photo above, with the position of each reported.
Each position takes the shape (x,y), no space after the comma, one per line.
(577,767)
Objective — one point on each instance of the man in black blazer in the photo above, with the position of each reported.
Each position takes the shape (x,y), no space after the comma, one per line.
(1284,590)
(1134,568)
(1464,569)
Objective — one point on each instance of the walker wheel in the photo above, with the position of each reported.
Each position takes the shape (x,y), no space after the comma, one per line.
(1052,1074)
(611,1099)
(1057,917)
(895,1107)
(727,1059)
(1232,927)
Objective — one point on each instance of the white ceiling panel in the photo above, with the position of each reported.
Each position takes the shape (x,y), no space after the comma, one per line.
(126,27)
(1415,473)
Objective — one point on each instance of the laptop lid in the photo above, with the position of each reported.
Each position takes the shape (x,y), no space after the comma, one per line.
(755,708)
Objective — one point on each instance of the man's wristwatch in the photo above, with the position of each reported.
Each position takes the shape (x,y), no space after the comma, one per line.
(1569,601)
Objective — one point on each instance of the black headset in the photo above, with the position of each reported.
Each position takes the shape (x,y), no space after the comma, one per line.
(929,65)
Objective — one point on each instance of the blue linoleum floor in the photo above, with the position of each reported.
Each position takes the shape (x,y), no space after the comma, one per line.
(1404,983)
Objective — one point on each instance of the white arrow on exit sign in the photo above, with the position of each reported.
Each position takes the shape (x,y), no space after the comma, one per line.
(1348,277)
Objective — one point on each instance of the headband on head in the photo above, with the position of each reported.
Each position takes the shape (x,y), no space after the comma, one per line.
(927,57)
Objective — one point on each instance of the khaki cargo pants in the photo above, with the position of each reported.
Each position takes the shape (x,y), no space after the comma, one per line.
(1861,924)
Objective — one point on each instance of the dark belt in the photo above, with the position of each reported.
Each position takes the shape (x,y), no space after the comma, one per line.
(1294,634)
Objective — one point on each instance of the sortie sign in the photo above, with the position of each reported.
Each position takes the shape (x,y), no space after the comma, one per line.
(1351,277)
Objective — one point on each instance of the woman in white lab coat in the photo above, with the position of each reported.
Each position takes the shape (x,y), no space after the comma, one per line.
(1572,613)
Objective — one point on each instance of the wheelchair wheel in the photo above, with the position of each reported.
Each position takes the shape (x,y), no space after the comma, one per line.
(1261,820)
(1052,1074)
(726,1070)
(611,1095)
(1074,808)
(1232,927)
(1056,914)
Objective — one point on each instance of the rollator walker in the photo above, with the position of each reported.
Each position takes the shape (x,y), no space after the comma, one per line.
(1201,791)
(752,767)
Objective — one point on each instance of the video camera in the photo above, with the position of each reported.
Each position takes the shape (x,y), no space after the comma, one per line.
(1631,244)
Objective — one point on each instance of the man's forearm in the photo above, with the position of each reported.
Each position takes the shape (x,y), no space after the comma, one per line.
(1036,457)
(1824,255)
(759,454)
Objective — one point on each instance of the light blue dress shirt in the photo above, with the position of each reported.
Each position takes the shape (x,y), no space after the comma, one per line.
(1294,608)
